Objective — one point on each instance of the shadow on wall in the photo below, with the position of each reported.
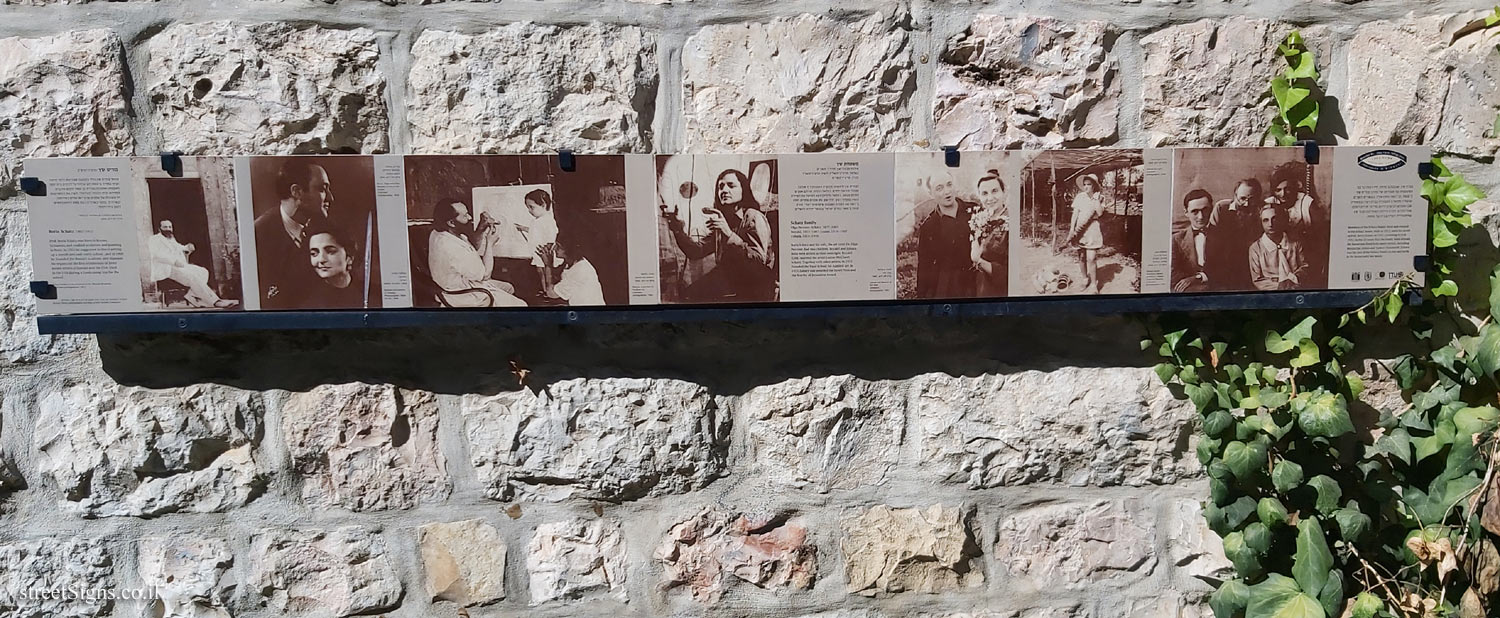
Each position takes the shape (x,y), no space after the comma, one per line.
(727,357)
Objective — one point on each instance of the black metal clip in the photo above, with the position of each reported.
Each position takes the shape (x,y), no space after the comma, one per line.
(1426,170)
(31,185)
(171,163)
(950,156)
(44,290)
(566,160)
(1421,263)
(1310,151)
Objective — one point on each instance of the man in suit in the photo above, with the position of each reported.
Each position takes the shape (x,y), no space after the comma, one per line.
(1237,224)
(280,233)
(1198,261)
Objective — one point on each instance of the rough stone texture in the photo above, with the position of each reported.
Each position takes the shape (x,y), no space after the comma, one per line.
(54,566)
(64,96)
(807,83)
(714,551)
(190,576)
(340,572)
(1204,80)
(464,562)
(1044,427)
(1041,612)
(891,550)
(365,447)
(1077,545)
(1027,82)
(114,450)
(272,88)
(1408,85)
(575,559)
(1193,548)
(609,439)
(533,88)
(826,433)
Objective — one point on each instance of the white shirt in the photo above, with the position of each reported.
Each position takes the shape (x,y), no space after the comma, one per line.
(580,285)
(543,232)
(166,254)
(455,264)
(1199,238)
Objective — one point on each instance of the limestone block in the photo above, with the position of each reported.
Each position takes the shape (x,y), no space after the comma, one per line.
(113,450)
(577,558)
(1408,85)
(339,572)
(890,550)
(366,447)
(714,551)
(533,88)
(64,97)
(52,568)
(808,83)
(607,439)
(464,562)
(1027,82)
(1204,80)
(1108,542)
(228,88)
(19,340)
(1193,548)
(1105,426)
(190,576)
(1071,611)
(824,433)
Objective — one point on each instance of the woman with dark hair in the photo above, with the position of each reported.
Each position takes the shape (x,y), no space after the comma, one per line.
(991,236)
(334,257)
(739,238)
(577,282)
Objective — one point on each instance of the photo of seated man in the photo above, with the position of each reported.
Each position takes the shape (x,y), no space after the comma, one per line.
(169,262)
(1277,261)
(1199,256)
(460,258)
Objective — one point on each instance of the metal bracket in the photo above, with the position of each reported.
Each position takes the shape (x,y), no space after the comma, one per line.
(566,160)
(1421,263)
(950,156)
(1310,151)
(44,290)
(1426,170)
(33,186)
(171,163)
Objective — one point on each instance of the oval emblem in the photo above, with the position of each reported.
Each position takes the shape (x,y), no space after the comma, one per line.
(1382,160)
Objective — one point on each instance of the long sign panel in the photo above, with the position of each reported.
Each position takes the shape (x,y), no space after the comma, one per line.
(126,235)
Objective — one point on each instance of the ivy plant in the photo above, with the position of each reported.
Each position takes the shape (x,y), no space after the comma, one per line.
(1328,507)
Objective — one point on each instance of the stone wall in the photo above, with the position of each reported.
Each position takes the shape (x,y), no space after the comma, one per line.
(1019,467)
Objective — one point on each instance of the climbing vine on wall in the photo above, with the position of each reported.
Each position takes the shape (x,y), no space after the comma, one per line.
(1326,506)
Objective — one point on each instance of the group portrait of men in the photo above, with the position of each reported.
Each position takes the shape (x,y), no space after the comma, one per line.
(1252,240)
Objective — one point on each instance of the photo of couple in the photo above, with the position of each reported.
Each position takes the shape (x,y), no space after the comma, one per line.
(953,225)
(1247,219)
(516,231)
(315,232)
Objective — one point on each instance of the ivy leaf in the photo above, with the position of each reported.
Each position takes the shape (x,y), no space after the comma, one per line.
(1395,443)
(1272,399)
(1353,523)
(1217,423)
(1312,561)
(1471,421)
(1208,448)
(1258,537)
(1447,288)
(1245,460)
(1302,67)
(1322,414)
(1279,597)
(1329,493)
(1277,343)
(1340,346)
(1356,385)
(1230,599)
(1442,237)
(1307,354)
(1332,595)
(1431,507)
(1201,396)
(1272,512)
(1166,371)
(1236,514)
(1495,293)
(1392,307)
(1366,605)
(1459,193)
(1407,371)
(1246,560)
(1487,350)
(1286,476)
(1310,114)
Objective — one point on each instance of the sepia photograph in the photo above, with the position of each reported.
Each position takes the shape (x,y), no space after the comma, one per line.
(1080,225)
(189,234)
(1246,219)
(718,233)
(516,231)
(316,239)
(953,225)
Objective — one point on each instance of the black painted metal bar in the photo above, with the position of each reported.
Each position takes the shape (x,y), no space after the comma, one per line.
(221,321)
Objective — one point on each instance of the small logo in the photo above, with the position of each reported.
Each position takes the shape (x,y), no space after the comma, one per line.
(1380,275)
(1367,275)
(1382,160)
(1354,276)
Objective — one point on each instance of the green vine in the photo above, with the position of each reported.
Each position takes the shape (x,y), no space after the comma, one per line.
(1326,506)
